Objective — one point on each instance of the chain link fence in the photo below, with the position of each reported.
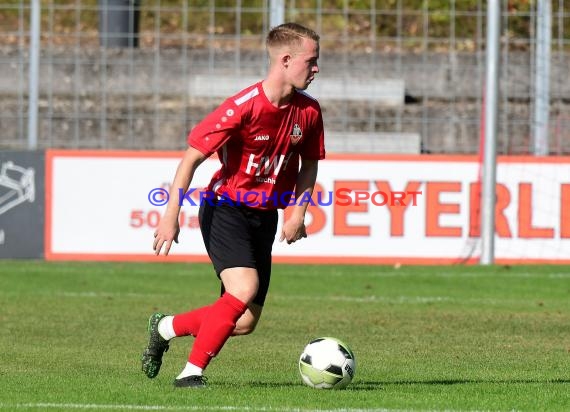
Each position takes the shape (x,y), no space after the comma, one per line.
(396,75)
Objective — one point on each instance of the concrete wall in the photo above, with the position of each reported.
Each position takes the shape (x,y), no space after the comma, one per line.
(130,99)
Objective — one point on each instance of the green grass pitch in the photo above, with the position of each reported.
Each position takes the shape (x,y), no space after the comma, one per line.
(429,338)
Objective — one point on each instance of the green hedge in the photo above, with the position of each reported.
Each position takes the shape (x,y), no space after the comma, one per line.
(408,20)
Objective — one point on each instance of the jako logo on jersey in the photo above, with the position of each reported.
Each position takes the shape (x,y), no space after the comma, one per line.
(296,135)
(262,137)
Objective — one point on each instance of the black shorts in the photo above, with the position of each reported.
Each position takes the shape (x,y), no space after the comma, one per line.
(239,236)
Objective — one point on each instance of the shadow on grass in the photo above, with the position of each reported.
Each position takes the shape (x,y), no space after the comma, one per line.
(371,385)
(379,385)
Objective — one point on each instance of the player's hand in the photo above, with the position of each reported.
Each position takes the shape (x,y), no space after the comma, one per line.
(292,231)
(166,233)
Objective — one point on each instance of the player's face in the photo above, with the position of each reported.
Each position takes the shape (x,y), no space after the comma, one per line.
(304,65)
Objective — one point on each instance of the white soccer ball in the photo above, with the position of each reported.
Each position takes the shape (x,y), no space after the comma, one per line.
(327,363)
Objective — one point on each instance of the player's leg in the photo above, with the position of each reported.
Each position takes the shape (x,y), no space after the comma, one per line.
(240,286)
(163,328)
(265,226)
(219,323)
(239,242)
(227,237)
(188,323)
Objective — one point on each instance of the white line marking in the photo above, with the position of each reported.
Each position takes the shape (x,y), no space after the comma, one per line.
(407,300)
(415,273)
(93,294)
(394,300)
(42,405)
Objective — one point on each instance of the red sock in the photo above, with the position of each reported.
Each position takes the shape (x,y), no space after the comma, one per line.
(189,323)
(217,327)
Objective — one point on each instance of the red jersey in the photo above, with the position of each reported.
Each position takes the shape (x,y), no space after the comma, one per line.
(259,146)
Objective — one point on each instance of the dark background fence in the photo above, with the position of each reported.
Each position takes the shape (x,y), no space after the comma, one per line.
(137,75)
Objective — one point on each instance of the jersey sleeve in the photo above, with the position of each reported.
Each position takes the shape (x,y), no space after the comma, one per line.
(314,147)
(216,128)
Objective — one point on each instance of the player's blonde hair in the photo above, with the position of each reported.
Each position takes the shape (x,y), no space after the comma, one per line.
(289,34)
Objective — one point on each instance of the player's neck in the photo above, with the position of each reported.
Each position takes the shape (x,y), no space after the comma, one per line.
(278,94)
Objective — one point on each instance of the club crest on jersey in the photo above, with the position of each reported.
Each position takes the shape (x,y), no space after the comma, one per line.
(296,135)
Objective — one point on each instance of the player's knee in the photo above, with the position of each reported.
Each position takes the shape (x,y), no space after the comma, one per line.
(245,293)
(242,286)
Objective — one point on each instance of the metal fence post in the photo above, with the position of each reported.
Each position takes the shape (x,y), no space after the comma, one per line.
(34,74)
(542,77)
(490,146)
(276,12)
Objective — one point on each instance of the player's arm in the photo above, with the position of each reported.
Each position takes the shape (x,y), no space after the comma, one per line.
(294,228)
(168,228)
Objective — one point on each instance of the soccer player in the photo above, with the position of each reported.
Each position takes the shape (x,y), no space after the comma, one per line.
(269,138)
